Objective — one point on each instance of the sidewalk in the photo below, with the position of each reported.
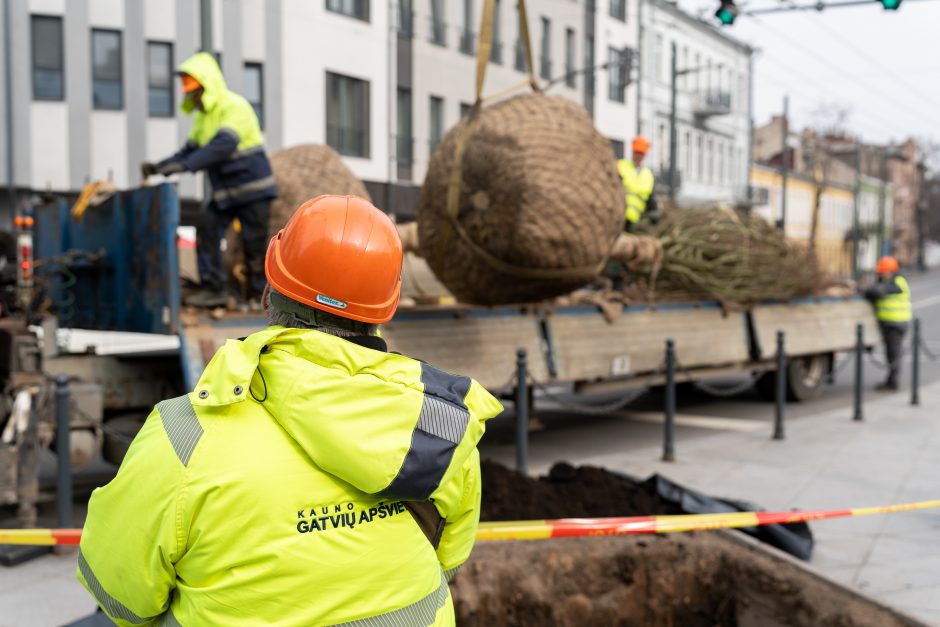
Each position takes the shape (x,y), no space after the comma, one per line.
(829,462)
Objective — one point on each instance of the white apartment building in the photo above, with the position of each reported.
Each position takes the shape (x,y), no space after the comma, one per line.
(91,92)
(713,104)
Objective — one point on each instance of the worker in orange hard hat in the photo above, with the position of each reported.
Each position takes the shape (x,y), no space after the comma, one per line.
(348,456)
(891,296)
(638,183)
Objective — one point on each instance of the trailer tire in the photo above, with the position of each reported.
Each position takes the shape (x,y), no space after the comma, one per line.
(806,379)
(119,432)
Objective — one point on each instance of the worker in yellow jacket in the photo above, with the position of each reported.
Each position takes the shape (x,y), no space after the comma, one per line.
(225,143)
(638,183)
(891,297)
(286,488)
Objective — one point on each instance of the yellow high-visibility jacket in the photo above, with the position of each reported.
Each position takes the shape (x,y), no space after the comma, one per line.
(273,493)
(638,186)
(894,305)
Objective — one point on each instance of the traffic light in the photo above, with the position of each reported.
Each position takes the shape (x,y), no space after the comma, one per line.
(890,5)
(728,11)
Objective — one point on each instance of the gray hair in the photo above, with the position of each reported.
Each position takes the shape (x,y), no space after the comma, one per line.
(303,316)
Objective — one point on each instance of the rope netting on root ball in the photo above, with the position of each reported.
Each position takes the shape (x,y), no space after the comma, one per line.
(535,206)
(730,256)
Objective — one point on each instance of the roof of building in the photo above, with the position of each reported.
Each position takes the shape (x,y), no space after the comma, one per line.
(673,8)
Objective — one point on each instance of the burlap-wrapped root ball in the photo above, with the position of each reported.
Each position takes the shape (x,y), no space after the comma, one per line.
(539,191)
(302,172)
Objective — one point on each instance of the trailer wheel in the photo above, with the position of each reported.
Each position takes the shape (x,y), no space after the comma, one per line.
(806,379)
(119,432)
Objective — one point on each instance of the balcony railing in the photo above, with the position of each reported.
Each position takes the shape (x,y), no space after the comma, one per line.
(713,102)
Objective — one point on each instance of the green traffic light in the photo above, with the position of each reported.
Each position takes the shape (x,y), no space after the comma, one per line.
(726,17)
(890,5)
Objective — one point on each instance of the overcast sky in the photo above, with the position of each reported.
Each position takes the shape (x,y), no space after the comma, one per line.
(883,66)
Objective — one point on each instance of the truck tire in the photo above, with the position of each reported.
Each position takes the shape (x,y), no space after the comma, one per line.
(119,432)
(806,379)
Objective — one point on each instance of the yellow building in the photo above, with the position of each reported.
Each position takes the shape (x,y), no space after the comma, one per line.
(833,234)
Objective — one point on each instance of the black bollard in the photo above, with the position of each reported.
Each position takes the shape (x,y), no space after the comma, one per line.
(781,390)
(669,426)
(915,367)
(63,453)
(522,413)
(859,370)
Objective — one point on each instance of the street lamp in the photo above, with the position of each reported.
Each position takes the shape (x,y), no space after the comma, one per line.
(673,134)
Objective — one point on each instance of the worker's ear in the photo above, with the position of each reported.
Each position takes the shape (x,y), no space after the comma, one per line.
(266,298)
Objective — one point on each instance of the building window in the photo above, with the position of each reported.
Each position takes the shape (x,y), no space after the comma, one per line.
(700,153)
(684,78)
(589,65)
(721,162)
(688,153)
(618,147)
(160,79)
(466,29)
(438,26)
(106,69)
(697,74)
(436,117)
(496,46)
(347,115)
(658,60)
(465,109)
(711,160)
(254,89)
(618,9)
(405,135)
(48,60)
(616,75)
(545,65)
(661,148)
(569,58)
(358,9)
(405,18)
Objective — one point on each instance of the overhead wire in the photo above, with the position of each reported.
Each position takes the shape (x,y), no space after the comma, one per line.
(892,97)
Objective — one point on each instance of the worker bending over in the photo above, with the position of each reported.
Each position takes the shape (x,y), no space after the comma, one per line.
(284,489)
(226,142)
(891,297)
(638,183)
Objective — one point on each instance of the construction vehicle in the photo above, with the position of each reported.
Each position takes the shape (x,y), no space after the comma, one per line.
(117,270)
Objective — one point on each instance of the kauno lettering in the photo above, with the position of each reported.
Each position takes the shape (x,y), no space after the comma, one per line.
(326,518)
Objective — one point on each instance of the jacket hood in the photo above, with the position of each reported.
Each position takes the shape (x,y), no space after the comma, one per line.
(386,424)
(203,67)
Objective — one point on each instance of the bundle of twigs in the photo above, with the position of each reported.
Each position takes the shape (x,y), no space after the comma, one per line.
(729,256)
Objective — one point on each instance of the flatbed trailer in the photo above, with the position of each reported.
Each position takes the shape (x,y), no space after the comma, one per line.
(576,346)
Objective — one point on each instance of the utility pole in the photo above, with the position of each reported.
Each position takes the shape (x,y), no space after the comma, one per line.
(883,174)
(784,167)
(856,208)
(921,212)
(8,88)
(673,183)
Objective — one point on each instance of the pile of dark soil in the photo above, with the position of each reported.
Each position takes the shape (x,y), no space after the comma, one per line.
(566,492)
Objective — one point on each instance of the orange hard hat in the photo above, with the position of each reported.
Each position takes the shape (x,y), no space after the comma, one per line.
(887,265)
(641,144)
(341,255)
(190,84)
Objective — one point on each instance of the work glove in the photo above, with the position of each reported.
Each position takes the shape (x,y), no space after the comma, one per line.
(147,168)
(173,167)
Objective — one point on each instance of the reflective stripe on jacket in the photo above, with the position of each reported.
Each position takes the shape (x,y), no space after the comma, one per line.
(225,140)
(638,185)
(273,493)
(895,307)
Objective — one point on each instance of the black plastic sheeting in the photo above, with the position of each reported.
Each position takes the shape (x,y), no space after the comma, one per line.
(794,538)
